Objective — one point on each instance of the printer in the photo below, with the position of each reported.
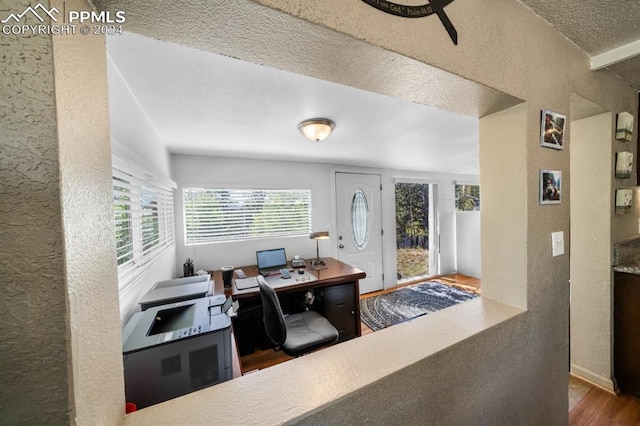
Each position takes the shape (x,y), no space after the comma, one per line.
(177,290)
(172,349)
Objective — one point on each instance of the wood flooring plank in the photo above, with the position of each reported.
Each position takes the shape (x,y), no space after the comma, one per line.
(600,407)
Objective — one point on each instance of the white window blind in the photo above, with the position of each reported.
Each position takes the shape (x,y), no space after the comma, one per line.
(239,214)
(143,214)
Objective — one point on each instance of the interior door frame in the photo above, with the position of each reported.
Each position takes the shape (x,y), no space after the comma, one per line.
(334,209)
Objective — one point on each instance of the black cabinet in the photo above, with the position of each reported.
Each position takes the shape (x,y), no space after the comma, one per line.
(340,309)
(626,332)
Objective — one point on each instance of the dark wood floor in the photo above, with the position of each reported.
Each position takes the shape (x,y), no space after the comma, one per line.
(262,358)
(602,408)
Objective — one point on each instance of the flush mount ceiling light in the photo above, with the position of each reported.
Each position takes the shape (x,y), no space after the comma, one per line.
(316,129)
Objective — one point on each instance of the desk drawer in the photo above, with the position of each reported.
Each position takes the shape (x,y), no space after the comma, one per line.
(340,309)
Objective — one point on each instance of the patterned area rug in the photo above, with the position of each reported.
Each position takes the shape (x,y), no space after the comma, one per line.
(409,302)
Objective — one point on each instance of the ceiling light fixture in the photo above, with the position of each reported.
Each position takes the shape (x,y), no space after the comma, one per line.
(316,129)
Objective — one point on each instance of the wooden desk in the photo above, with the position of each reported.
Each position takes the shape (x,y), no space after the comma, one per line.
(337,294)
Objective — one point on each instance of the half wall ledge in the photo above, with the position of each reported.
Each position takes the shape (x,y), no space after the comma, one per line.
(296,388)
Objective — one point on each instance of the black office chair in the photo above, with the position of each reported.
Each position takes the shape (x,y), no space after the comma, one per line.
(297,333)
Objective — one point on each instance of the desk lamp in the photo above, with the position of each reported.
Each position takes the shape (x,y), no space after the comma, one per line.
(318,263)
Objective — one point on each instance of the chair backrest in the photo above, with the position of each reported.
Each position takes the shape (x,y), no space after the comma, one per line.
(272,313)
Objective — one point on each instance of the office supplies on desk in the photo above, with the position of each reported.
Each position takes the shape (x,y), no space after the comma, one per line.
(297,262)
(277,281)
(187,268)
(284,274)
(246,283)
(271,261)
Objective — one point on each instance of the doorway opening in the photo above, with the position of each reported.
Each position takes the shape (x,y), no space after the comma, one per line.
(415,242)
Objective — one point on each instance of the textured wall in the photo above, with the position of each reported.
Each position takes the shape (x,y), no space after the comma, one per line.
(591,216)
(58,265)
(87,207)
(504,205)
(468,250)
(33,314)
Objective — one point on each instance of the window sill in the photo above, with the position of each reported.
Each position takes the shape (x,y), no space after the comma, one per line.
(277,395)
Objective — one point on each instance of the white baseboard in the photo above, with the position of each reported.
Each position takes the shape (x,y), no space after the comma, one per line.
(590,376)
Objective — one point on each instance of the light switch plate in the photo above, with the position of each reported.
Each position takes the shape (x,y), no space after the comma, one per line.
(557,243)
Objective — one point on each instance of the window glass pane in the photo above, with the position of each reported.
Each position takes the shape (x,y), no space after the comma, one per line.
(467,198)
(122,211)
(412,230)
(239,214)
(150,220)
(360,219)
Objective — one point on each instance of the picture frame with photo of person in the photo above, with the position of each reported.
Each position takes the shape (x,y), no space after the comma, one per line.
(550,187)
(552,129)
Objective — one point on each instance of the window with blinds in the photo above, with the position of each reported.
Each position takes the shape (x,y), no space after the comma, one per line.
(239,214)
(143,213)
(467,197)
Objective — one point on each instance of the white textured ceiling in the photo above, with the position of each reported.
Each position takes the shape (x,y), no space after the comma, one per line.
(597,27)
(203,102)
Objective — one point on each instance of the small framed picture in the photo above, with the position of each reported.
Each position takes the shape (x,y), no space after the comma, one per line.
(624,164)
(552,128)
(550,187)
(624,127)
(624,198)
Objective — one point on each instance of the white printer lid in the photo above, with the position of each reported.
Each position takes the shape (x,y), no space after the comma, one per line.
(176,290)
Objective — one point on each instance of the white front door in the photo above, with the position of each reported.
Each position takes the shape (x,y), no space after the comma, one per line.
(359,226)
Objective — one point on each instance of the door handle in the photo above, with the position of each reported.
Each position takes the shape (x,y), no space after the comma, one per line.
(341,246)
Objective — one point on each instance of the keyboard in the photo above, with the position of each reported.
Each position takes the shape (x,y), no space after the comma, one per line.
(269,272)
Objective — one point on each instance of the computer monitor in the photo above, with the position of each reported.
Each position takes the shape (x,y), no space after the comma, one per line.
(271,260)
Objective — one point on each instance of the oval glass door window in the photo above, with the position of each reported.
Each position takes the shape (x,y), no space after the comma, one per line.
(360,219)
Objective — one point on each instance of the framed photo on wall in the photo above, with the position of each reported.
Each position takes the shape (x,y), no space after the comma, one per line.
(624,127)
(624,164)
(550,187)
(552,127)
(624,199)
